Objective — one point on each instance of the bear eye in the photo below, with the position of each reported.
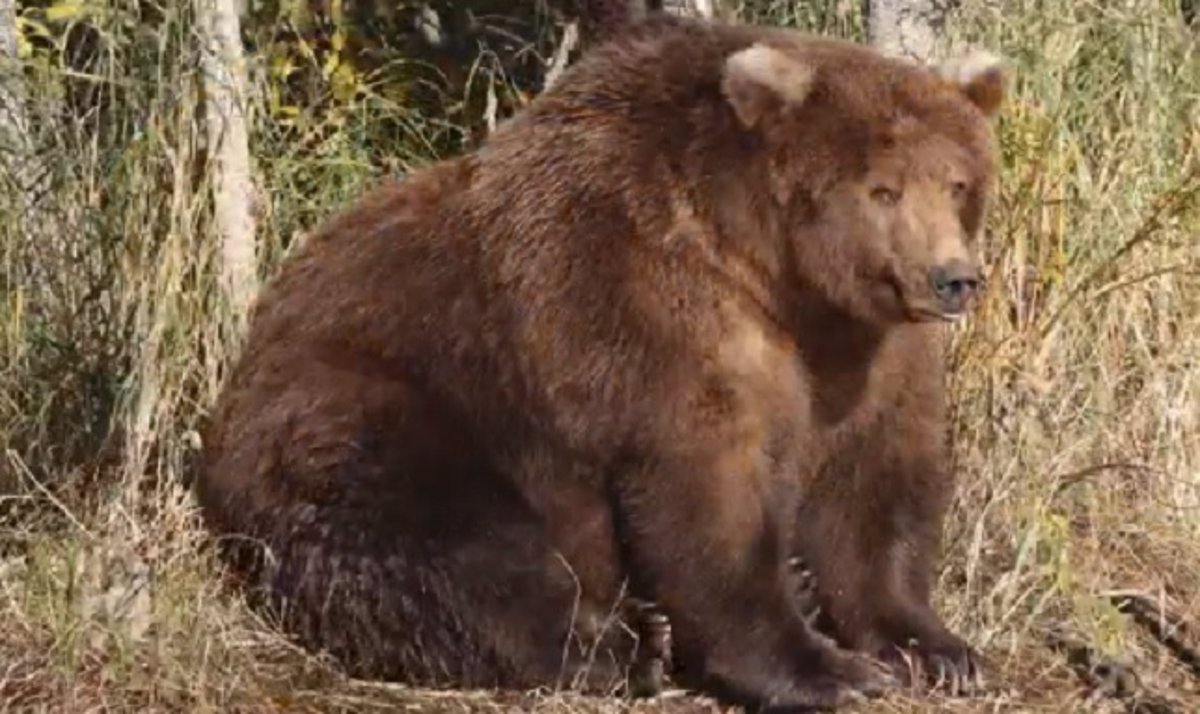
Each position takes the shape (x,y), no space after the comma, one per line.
(958,189)
(885,195)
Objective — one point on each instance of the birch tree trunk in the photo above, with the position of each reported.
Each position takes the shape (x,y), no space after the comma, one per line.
(24,171)
(906,28)
(14,124)
(10,78)
(699,8)
(224,70)
(709,9)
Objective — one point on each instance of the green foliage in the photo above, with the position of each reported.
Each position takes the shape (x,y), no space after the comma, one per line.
(422,76)
(837,18)
(98,102)
(342,94)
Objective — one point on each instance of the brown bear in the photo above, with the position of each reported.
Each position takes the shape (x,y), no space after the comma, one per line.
(672,325)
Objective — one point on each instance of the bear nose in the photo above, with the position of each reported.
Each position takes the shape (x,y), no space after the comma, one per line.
(954,284)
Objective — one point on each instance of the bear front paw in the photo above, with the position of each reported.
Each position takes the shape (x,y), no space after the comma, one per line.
(944,661)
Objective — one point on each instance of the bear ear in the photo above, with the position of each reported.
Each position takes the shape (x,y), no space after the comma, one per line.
(759,79)
(980,76)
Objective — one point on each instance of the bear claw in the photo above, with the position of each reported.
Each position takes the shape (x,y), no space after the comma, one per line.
(953,669)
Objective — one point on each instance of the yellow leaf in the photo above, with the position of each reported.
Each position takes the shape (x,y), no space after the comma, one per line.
(345,83)
(282,67)
(330,66)
(67,10)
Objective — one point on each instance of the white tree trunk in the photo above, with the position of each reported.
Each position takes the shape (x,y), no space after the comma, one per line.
(906,28)
(20,165)
(14,124)
(225,89)
(709,9)
(10,77)
(721,10)
(699,8)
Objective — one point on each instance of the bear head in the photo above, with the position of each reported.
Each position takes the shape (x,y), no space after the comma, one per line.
(879,170)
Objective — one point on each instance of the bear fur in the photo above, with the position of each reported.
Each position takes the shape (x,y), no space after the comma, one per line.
(674,324)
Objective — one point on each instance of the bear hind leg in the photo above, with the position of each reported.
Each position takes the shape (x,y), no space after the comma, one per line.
(374,531)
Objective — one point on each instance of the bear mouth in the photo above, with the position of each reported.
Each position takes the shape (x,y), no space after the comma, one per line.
(922,313)
(931,314)
(918,310)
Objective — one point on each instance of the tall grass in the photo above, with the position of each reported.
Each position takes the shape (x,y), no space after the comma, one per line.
(1076,388)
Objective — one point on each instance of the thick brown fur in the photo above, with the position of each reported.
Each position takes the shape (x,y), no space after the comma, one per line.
(668,327)
(604,19)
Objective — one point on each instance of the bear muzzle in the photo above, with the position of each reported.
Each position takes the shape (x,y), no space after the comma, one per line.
(954,284)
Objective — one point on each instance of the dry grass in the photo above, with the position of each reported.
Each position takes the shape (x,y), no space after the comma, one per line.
(1077,385)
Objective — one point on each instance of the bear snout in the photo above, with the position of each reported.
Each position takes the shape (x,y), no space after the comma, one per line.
(955,283)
